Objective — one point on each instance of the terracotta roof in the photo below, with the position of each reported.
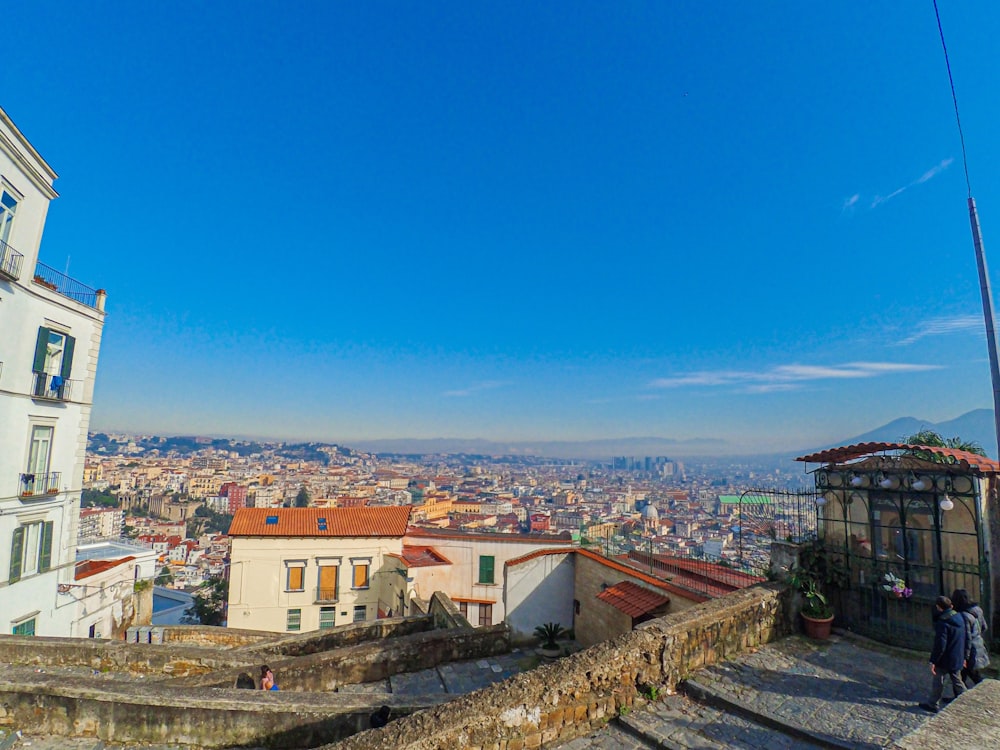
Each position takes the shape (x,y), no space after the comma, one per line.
(632,599)
(423,531)
(422,557)
(89,568)
(953,456)
(378,521)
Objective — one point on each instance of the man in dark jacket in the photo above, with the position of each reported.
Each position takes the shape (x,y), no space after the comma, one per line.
(949,652)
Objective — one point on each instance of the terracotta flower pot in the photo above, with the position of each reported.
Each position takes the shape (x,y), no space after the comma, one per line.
(817,628)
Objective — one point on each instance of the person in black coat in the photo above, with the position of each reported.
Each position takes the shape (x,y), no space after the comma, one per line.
(948,654)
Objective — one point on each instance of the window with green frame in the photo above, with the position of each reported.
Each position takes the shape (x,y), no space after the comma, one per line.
(25,628)
(486,569)
(294,621)
(327,617)
(30,550)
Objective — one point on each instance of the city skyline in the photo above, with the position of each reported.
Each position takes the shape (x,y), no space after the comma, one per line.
(519,223)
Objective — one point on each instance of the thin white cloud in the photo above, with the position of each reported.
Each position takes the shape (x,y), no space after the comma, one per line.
(944,327)
(486,385)
(787,377)
(878,200)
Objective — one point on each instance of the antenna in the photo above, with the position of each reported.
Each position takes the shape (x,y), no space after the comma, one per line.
(977,241)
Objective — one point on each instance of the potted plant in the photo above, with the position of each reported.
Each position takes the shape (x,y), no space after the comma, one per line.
(548,633)
(816,570)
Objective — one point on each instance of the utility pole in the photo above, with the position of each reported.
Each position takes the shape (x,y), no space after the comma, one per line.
(987,295)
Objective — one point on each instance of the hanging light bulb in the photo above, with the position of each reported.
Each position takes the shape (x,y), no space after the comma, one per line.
(946,503)
(889,483)
(821,500)
(920,484)
(857,480)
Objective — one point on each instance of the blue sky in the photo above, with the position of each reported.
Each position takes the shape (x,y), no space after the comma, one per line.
(518,220)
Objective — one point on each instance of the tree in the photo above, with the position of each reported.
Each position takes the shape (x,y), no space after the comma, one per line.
(209,605)
(164,577)
(932,439)
(302,498)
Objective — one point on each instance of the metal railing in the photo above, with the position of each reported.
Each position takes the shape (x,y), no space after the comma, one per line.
(64,285)
(51,387)
(326,595)
(40,484)
(10,261)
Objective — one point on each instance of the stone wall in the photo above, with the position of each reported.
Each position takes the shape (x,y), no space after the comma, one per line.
(576,694)
(445,614)
(207,635)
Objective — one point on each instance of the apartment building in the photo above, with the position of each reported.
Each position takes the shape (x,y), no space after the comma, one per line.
(50,336)
(304,569)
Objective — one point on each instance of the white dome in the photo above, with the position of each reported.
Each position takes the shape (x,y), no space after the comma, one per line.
(650,513)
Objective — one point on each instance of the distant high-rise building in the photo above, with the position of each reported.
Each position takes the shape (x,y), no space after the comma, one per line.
(50,335)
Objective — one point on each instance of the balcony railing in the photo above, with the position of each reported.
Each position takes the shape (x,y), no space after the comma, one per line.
(51,387)
(326,595)
(40,484)
(64,285)
(10,261)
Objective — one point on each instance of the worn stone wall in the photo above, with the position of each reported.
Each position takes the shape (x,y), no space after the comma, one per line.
(445,613)
(365,662)
(576,694)
(207,635)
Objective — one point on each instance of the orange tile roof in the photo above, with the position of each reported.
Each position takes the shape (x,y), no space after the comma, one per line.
(378,521)
(422,557)
(632,599)
(429,533)
(953,456)
(89,568)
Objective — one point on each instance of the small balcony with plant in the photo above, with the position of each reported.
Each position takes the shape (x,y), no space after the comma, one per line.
(62,284)
(35,485)
(10,262)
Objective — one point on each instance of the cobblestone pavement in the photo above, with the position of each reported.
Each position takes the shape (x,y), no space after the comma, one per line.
(844,691)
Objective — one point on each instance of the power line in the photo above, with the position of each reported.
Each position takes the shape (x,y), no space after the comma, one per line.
(954,99)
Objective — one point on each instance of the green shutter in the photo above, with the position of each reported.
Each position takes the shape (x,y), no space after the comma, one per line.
(486,568)
(41,347)
(16,553)
(45,558)
(67,363)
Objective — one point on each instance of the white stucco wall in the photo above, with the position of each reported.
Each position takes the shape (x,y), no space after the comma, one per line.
(539,591)
(24,307)
(257,575)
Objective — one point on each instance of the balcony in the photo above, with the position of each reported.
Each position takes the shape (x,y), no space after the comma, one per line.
(10,262)
(326,595)
(33,485)
(51,387)
(62,284)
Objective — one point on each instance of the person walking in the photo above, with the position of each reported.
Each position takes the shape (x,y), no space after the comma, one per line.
(978,657)
(948,654)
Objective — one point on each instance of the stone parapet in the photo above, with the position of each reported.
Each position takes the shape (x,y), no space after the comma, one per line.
(574,695)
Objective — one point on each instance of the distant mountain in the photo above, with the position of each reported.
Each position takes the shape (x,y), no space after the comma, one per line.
(976,425)
(581,449)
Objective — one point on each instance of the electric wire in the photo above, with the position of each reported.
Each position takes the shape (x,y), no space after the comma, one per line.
(954,98)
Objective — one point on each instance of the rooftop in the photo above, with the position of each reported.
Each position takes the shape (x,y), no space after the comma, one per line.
(378,521)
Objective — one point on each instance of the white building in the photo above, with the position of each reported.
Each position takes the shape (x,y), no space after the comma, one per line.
(50,334)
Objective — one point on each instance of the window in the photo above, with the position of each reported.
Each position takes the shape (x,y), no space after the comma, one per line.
(53,362)
(360,578)
(294,621)
(327,584)
(30,550)
(327,617)
(486,569)
(463,607)
(39,450)
(295,575)
(24,628)
(485,614)
(360,613)
(8,207)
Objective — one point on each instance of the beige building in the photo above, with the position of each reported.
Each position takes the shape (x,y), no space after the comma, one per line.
(304,569)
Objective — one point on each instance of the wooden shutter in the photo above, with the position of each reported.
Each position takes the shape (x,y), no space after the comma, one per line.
(16,553)
(67,362)
(41,348)
(486,569)
(45,558)
(360,576)
(328,582)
